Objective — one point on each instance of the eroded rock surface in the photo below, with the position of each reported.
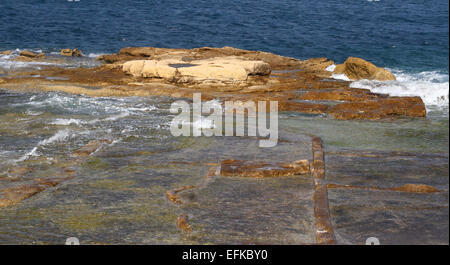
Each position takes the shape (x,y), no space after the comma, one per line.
(222,69)
(357,68)
(381,108)
(8,52)
(71,52)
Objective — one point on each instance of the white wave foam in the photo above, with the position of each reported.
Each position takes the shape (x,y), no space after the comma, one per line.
(143,109)
(67,121)
(80,122)
(330,68)
(340,77)
(7,63)
(431,86)
(118,116)
(94,55)
(27,155)
(59,136)
(33,113)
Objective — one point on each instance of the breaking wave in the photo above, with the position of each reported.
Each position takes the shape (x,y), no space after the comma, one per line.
(431,86)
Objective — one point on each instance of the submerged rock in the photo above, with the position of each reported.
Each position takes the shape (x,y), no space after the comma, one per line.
(417,188)
(241,168)
(173,195)
(90,148)
(19,171)
(182,223)
(71,52)
(15,195)
(357,68)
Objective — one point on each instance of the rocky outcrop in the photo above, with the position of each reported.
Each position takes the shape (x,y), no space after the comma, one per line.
(357,68)
(317,65)
(8,52)
(186,55)
(71,52)
(29,56)
(381,108)
(217,69)
(226,74)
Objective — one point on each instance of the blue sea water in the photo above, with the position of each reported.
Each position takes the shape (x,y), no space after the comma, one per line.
(409,37)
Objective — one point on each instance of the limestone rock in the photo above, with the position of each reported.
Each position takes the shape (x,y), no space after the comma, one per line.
(339,69)
(185,55)
(316,64)
(357,68)
(116,58)
(23,59)
(8,52)
(28,56)
(71,52)
(31,54)
(221,69)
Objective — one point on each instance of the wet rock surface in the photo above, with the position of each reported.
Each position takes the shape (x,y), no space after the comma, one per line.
(378,109)
(90,148)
